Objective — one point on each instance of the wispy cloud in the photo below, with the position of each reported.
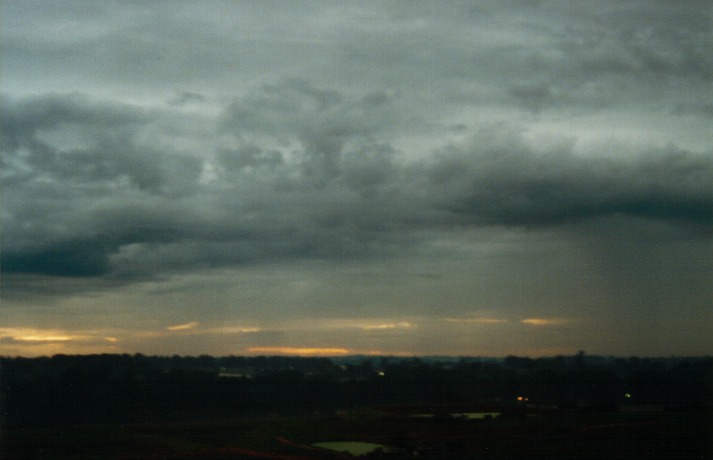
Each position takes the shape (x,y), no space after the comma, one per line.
(183,327)
(545,321)
(386,326)
(233,330)
(364,324)
(478,320)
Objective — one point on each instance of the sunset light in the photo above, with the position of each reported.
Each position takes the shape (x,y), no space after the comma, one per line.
(183,327)
(300,351)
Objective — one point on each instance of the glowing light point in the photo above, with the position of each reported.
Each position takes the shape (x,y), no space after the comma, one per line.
(381,374)
(627,395)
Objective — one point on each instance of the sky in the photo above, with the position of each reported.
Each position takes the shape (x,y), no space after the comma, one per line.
(327,178)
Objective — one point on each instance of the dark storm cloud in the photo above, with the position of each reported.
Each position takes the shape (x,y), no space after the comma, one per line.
(662,41)
(332,186)
(506,182)
(21,120)
(75,173)
(338,137)
(35,130)
(299,169)
(68,259)
(616,54)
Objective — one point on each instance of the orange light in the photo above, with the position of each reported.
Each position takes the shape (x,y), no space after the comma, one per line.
(300,351)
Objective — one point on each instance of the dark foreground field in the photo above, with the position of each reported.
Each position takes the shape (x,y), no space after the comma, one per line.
(644,435)
(136,407)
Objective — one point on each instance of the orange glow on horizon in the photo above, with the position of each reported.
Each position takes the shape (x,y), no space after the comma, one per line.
(300,351)
(23,334)
(43,338)
(27,341)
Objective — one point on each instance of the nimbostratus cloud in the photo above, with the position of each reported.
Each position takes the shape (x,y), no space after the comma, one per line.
(306,173)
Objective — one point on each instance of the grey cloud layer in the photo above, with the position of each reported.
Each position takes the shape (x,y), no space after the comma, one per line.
(139,138)
(299,172)
(541,54)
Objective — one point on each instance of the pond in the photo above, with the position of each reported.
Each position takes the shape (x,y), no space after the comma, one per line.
(477,415)
(355,448)
(466,415)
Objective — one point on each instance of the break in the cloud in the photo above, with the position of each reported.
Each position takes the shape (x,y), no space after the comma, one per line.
(477,320)
(258,164)
(183,327)
(545,321)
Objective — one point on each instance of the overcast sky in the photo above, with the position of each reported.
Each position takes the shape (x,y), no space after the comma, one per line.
(429,178)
